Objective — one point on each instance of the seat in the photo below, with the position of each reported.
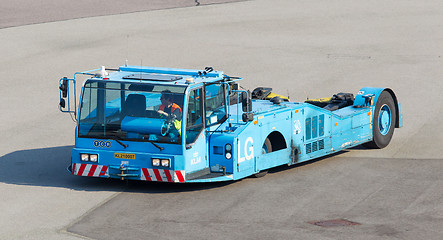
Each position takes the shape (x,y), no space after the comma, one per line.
(135,105)
(337,101)
(340,100)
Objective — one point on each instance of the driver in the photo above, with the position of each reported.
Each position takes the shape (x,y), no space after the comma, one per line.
(172,111)
(168,107)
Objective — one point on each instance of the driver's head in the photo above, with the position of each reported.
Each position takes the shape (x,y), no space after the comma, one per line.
(166,97)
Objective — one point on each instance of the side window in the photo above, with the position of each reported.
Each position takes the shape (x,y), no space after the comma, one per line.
(194,117)
(89,104)
(215,103)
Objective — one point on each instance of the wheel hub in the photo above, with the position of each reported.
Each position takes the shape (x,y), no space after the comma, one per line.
(384,119)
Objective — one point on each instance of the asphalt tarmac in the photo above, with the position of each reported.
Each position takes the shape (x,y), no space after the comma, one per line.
(22,12)
(300,48)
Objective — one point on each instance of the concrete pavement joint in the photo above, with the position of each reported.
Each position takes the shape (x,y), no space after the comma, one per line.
(65,229)
(123,13)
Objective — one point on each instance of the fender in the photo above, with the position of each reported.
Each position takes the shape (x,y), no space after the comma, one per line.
(360,101)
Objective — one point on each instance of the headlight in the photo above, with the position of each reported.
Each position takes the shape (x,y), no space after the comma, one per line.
(156,162)
(228,151)
(165,162)
(89,157)
(228,147)
(93,158)
(84,157)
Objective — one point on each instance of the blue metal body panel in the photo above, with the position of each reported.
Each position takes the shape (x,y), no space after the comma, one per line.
(298,132)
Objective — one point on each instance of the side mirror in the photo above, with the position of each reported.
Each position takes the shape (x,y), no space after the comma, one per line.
(64,87)
(62,103)
(67,95)
(246,102)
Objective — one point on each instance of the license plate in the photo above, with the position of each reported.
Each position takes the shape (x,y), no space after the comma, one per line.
(124,155)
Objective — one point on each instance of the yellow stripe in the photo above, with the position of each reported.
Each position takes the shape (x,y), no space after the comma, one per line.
(271,95)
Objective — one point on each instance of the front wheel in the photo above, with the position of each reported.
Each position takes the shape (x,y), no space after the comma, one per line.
(383,121)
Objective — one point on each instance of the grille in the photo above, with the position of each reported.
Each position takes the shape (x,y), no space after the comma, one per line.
(308,148)
(321,144)
(315,146)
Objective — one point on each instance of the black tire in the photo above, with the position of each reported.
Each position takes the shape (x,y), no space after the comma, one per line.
(262,173)
(267,148)
(384,118)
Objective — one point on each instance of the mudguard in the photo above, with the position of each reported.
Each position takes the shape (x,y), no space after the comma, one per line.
(360,101)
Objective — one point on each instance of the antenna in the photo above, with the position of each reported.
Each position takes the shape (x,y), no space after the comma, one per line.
(141,66)
(307,98)
(127,50)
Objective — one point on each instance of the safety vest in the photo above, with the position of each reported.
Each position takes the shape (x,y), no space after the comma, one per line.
(173,108)
(177,123)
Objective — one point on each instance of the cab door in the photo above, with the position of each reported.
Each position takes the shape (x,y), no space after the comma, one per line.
(195,139)
(215,114)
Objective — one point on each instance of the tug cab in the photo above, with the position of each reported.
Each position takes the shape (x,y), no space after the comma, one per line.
(121,131)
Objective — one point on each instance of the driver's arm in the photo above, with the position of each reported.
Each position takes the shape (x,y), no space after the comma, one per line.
(163,113)
(177,113)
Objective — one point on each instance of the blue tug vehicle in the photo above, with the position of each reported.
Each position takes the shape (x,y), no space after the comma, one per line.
(180,125)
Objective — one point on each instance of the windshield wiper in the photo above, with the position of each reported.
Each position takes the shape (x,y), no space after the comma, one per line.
(124,145)
(157,146)
(116,138)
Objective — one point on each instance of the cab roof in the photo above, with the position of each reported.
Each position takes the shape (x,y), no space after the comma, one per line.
(165,75)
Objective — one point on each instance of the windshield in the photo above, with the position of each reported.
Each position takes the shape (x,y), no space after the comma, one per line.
(131,111)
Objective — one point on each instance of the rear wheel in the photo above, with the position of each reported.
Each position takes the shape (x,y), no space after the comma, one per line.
(266,148)
(383,121)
